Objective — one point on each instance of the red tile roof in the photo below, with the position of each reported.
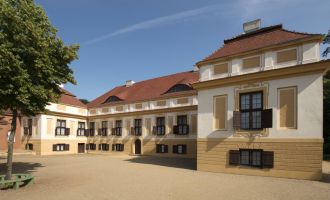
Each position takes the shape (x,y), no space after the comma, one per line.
(70,99)
(149,89)
(264,37)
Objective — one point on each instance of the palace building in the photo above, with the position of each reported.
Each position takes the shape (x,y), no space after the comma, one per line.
(252,107)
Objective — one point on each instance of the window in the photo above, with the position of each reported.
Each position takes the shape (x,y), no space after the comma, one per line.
(28,129)
(81,129)
(112,99)
(160,125)
(91,146)
(182,127)
(29,146)
(220,68)
(61,147)
(104,147)
(286,55)
(180,149)
(61,128)
(179,88)
(161,148)
(251,106)
(252,158)
(117,147)
(91,128)
(104,128)
(251,62)
(118,127)
(137,129)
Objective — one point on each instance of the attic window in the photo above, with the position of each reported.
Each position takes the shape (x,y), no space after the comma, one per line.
(179,88)
(112,99)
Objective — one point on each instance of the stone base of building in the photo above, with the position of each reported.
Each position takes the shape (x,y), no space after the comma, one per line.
(293,158)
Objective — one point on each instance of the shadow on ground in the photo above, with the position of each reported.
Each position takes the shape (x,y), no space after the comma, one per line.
(184,163)
(21,167)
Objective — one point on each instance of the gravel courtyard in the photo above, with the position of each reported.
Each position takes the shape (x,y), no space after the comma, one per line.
(121,177)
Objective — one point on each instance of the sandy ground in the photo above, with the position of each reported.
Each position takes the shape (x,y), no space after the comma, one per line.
(120,177)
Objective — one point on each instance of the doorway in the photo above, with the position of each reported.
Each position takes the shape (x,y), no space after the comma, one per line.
(137,146)
(81,147)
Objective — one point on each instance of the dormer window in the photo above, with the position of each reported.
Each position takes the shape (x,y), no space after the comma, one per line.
(179,88)
(112,99)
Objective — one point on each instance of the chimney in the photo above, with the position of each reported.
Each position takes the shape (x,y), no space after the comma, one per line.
(129,83)
(252,25)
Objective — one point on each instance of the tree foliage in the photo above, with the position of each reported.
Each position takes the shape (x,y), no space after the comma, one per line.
(34,61)
(326,100)
(84,101)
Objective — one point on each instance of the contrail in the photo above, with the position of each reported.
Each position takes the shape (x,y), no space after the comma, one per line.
(155,22)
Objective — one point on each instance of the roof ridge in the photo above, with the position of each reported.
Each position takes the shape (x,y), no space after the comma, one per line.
(252,33)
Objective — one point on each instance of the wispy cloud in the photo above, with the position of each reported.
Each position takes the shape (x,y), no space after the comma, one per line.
(156,22)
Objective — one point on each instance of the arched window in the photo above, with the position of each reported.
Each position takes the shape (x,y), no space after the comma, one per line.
(112,99)
(179,88)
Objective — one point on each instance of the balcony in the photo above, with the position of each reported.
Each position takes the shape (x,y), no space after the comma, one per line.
(136,131)
(159,130)
(116,131)
(181,129)
(103,132)
(28,131)
(62,131)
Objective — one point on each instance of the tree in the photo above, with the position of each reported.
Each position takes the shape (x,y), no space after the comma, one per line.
(34,61)
(84,101)
(326,41)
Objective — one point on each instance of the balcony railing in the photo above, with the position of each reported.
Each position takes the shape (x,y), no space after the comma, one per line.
(62,131)
(103,132)
(137,131)
(159,130)
(181,129)
(116,131)
(28,130)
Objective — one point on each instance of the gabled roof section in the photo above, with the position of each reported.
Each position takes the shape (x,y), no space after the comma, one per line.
(70,99)
(148,89)
(262,38)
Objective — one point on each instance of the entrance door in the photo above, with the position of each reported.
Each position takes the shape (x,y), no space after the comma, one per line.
(81,147)
(137,145)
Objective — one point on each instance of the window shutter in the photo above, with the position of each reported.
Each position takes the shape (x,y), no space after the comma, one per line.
(99,131)
(87,146)
(67,131)
(54,147)
(267,159)
(113,147)
(132,131)
(158,148)
(99,146)
(267,118)
(113,131)
(154,130)
(166,148)
(236,119)
(175,149)
(175,129)
(122,147)
(67,147)
(184,149)
(234,156)
(87,132)
(108,147)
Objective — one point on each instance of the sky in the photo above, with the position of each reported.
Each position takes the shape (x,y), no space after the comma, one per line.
(141,39)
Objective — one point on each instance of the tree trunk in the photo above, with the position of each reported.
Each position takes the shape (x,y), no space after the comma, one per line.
(11,146)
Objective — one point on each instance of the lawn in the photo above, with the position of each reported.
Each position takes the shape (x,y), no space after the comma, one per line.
(123,177)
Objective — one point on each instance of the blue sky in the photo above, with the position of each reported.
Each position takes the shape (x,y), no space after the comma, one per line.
(142,39)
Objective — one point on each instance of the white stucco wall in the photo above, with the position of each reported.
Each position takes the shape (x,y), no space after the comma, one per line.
(309,108)
(306,53)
